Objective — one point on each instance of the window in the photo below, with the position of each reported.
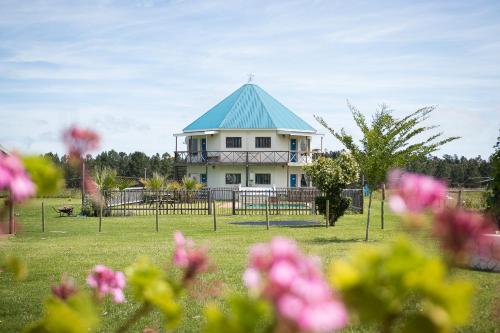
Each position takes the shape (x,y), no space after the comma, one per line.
(263,142)
(304,145)
(193,145)
(233,178)
(233,142)
(263,178)
(303,181)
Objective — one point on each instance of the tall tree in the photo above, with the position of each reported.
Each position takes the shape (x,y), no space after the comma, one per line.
(494,200)
(387,142)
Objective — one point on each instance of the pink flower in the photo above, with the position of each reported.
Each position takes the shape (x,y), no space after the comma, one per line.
(323,317)
(461,232)
(80,141)
(105,281)
(251,278)
(66,289)
(295,285)
(414,192)
(190,259)
(14,178)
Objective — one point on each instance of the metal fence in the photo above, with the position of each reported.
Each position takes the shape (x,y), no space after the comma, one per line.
(226,201)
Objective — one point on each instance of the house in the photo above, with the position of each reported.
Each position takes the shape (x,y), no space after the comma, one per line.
(248,139)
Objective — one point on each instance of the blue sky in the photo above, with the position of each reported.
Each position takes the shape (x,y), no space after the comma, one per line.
(138,71)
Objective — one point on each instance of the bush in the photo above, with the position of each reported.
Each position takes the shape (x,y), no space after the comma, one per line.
(331,176)
(88,208)
(338,206)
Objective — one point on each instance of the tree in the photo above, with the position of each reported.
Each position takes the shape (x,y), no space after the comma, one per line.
(387,143)
(331,176)
(494,200)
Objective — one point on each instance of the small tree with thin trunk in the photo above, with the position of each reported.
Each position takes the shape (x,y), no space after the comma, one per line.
(387,142)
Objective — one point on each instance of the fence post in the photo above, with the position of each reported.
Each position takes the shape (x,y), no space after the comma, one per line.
(100,216)
(209,198)
(327,211)
(267,213)
(215,216)
(459,199)
(43,218)
(382,207)
(157,202)
(234,202)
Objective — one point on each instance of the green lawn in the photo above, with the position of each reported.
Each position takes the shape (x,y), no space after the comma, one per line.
(73,245)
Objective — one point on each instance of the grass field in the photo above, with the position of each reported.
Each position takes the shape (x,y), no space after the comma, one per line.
(73,245)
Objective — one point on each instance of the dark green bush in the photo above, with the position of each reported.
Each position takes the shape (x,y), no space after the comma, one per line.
(338,206)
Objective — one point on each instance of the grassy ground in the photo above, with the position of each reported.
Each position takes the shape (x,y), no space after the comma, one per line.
(73,245)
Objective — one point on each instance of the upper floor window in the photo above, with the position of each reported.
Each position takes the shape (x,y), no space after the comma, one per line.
(262,142)
(233,142)
(263,178)
(193,145)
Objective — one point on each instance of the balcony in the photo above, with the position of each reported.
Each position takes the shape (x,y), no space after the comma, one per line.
(233,157)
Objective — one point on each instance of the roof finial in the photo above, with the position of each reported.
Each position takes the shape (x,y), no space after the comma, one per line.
(250,78)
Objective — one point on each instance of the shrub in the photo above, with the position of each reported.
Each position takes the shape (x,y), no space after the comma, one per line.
(331,176)
(337,206)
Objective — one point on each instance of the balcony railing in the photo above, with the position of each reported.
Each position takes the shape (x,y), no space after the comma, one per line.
(243,157)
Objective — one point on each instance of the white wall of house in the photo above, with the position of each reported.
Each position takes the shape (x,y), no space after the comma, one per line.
(279,142)
(216,175)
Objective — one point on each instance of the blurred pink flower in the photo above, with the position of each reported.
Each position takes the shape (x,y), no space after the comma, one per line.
(294,283)
(80,141)
(14,178)
(414,192)
(190,259)
(66,289)
(461,232)
(105,281)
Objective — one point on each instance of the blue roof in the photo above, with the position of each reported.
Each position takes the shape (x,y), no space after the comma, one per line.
(249,107)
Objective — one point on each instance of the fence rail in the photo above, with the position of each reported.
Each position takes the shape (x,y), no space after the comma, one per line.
(228,201)
(243,157)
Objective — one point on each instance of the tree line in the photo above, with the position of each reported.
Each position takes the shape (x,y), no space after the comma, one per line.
(457,171)
(132,165)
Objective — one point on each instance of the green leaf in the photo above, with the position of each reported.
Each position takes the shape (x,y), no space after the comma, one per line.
(78,314)
(246,315)
(16,266)
(150,285)
(44,173)
(399,283)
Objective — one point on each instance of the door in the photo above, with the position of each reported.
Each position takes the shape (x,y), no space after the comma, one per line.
(293,150)
(293,180)
(204,150)
(203,178)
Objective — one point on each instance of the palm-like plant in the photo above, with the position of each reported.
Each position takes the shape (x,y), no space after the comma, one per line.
(154,183)
(190,184)
(105,179)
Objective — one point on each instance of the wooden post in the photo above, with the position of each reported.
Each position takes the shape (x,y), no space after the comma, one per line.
(459,199)
(369,213)
(382,207)
(234,202)
(267,213)
(327,212)
(209,197)
(100,216)
(43,218)
(156,212)
(214,212)
(83,182)
(11,216)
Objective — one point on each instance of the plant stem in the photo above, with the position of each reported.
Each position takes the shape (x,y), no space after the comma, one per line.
(144,309)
